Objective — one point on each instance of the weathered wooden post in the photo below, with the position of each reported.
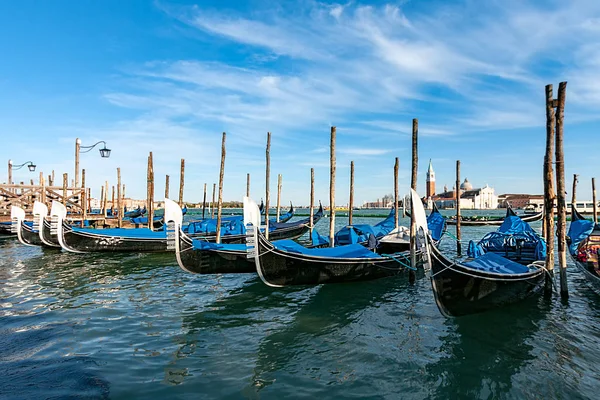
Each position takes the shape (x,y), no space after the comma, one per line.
(221,175)
(549,194)
(181,182)
(10,173)
(396,215)
(560,190)
(102,208)
(41,177)
(332,188)
(247,185)
(65,183)
(413,185)
(351,201)
(204,202)
(83,198)
(167,187)
(52,182)
(267,189)
(278,197)
(89,199)
(312,200)
(458,217)
(112,202)
(212,205)
(123,195)
(119,201)
(150,192)
(574,194)
(77,148)
(43,185)
(105,199)
(595,207)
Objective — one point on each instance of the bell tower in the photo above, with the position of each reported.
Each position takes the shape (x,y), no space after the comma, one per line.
(430,181)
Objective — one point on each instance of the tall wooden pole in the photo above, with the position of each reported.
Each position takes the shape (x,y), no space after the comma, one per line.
(267,189)
(83,198)
(413,185)
(167,187)
(52,184)
(181,182)
(560,190)
(65,183)
(112,202)
(9,172)
(204,202)
(89,199)
(77,148)
(332,188)
(43,185)
(41,177)
(595,207)
(247,185)
(549,194)
(396,216)
(221,175)
(102,199)
(351,201)
(105,198)
(312,199)
(212,204)
(574,194)
(458,217)
(150,192)
(278,196)
(119,201)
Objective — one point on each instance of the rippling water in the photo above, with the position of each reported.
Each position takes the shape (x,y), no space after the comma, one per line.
(136,326)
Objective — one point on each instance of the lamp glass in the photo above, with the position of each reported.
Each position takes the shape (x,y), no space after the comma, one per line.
(31,167)
(105,153)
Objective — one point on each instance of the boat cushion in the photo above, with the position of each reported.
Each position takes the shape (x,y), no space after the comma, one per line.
(348,251)
(490,262)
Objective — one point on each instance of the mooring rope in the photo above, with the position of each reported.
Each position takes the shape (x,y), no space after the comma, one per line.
(399,262)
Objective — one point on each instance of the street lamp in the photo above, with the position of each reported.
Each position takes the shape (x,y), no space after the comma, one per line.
(30,165)
(104,153)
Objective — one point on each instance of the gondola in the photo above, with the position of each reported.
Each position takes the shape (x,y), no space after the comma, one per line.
(200,256)
(285,217)
(31,234)
(84,240)
(135,213)
(5,229)
(584,247)
(503,273)
(288,263)
(477,221)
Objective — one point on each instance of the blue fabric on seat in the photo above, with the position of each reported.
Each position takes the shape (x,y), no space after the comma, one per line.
(578,232)
(141,233)
(491,262)
(348,251)
(360,233)
(436,223)
(475,250)
(513,224)
(317,239)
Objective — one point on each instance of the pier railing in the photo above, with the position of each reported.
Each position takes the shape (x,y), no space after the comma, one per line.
(25,195)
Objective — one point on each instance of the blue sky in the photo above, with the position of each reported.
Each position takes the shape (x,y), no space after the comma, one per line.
(170,77)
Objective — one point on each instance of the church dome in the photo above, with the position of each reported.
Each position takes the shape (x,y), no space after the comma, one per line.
(466,185)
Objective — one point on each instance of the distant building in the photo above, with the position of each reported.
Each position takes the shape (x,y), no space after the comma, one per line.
(520,200)
(430,183)
(483,199)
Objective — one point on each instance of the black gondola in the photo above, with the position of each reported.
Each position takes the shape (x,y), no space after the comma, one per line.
(584,247)
(477,221)
(486,282)
(203,257)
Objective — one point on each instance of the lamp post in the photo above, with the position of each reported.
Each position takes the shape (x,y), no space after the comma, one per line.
(30,165)
(104,153)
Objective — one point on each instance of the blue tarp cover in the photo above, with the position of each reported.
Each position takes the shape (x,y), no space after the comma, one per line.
(491,262)
(578,232)
(436,223)
(348,251)
(141,233)
(360,233)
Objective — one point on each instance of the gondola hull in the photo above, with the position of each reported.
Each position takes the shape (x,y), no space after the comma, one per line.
(494,220)
(460,290)
(46,237)
(80,241)
(212,261)
(30,237)
(592,277)
(281,268)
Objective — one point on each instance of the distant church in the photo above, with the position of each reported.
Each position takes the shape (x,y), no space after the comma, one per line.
(483,198)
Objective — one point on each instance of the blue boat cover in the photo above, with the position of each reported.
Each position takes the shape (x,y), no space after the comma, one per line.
(144,220)
(348,251)
(578,232)
(231,225)
(490,262)
(436,223)
(133,233)
(317,239)
(512,234)
(361,233)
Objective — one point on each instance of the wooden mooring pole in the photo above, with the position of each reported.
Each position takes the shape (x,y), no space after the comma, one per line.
(83,198)
(549,194)
(351,201)
(312,200)
(150,192)
(247,185)
(212,204)
(458,217)
(120,201)
(267,189)
(396,214)
(278,196)
(560,190)
(413,185)
(112,202)
(221,175)
(65,184)
(332,188)
(77,149)
(204,202)
(167,187)
(105,198)
(595,207)
(181,182)
(574,194)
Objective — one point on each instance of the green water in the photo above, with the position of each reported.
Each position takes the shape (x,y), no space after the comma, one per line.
(137,326)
